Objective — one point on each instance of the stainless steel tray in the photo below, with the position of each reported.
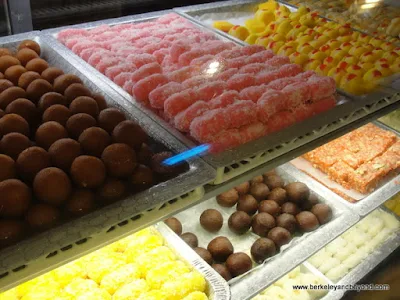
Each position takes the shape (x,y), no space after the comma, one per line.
(298,250)
(139,209)
(219,288)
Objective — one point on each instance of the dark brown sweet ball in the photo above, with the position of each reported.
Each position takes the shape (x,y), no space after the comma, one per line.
(223,271)
(15,198)
(11,231)
(109,118)
(2,113)
(14,123)
(25,55)
(119,159)
(211,220)
(228,198)
(248,204)
(24,108)
(323,212)
(270,173)
(269,206)
(142,178)
(257,179)
(86,105)
(88,171)
(49,99)
(13,144)
(290,208)
(7,61)
(204,254)
(190,239)
(27,78)
(63,152)
(13,73)
(1,75)
(297,192)
(51,73)
(81,202)
(280,236)
(243,188)
(5,84)
(48,133)
(37,65)
(11,94)
(101,101)
(57,113)
(220,248)
(130,133)
(76,124)
(307,221)
(274,181)
(160,168)
(37,89)
(76,90)
(5,51)
(259,191)
(239,222)
(144,154)
(42,216)
(287,221)
(175,225)
(31,45)
(62,82)
(112,190)
(94,140)
(238,263)
(279,195)
(262,249)
(262,223)
(31,161)
(52,186)
(310,202)
(8,168)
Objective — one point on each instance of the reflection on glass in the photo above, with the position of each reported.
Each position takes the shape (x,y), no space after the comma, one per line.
(4,21)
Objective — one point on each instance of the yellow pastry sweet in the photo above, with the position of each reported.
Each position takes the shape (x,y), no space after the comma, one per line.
(239,32)
(265,16)
(224,26)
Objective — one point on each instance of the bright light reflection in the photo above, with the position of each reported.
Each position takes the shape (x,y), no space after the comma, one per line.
(369,5)
(213,67)
(196,151)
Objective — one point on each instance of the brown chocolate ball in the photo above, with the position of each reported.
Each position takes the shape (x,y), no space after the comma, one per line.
(31,161)
(42,216)
(76,124)
(239,222)
(220,248)
(11,94)
(7,61)
(49,99)
(307,221)
(228,198)
(274,181)
(2,113)
(310,202)
(279,195)
(257,179)
(142,178)
(190,239)
(24,108)
(5,51)
(51,73)
(204,254)
(8,169)
(160,168)
(15,198)
(259,191)
(13,123)
(269,206)
(13,144)
(88,171)
(11,231)
(5,84)
(130,133)
(269,173)
(1,75)
(37,89)
(287,221)
(57,113)
(13,73)
(119,159)
(262,223)
(290,208)
(86,105)
(63,152)
(101,101)
(144,154)
(52,186)
(94,140)
(109,118)
(238,263)
(248,204)
(76,90)
(48,133)
(243,188)
(37,65)
(25,55)
(30,44)
(63,81)
(280,236)
(112,190)
(81,202)
(211,220)
(223,271)
(297,192)
(323,212)
(175,225)
(27,78)
(262,249)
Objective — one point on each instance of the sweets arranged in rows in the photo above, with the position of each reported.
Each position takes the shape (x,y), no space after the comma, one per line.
(358,62)
(140,267)
(63,151)
(274,211)
(215,91)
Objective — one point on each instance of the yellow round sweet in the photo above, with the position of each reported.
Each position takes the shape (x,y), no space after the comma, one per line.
(9,295)
(265,16)
(263,41)
(317,55)
(304,39)
(375,42)
(97,294)
(224,26)
(152,295)
(355,69)
(96,270)
(372,75)
(153,258)
(350,60)
(48,292)
(275,46)
(167,271)
(251,39)
(132,290)
(307,20)
(353,84)
(196,296)
(384,69)
(390,56)
(269,5)
(305,48)
(298,58)
(315,44)
(367,65)
(114,280)
(79,286)
(254,26)
(336,74)
(395,68)
(286,50)
(345,38)
(312,64)
(284,27)
(239,32)
(346,46)
(142,244)
(65,274)
(388,46)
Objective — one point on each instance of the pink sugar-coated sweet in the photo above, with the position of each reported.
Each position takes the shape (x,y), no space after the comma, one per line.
(143,42)
(187,57)
(128,50)
(177,49)
(278,60)
(239,82)
(179,102)
(112,72)
(142,89)
(96,57)
(267,77)
(270,103)
(158,96)
(123,77)
(183,119)
(150,49)
(226,139)
(195,81)
(128,85)
(251,49)
(161,54)
(308,110)
(206,127)
(200,61)
(253,68)
(107,62)
(167,63)
(305,75)
(145,71)
(143,25)
(215,47)
(241,113)
(71,32)
(106,36)
(87,53)
(253,93)
(321,87)
(80,46)
(161,33)
(280,120)
(227,74)
(181,74)
(236,62)
(72,41)
(210,90)
(281,83)
(169,68)
(229,54)
(168,18)
(290,70)
(223,100)
(99,30)
(297,94)
(121,27)
(260,57)
(253,131)
(141,59)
